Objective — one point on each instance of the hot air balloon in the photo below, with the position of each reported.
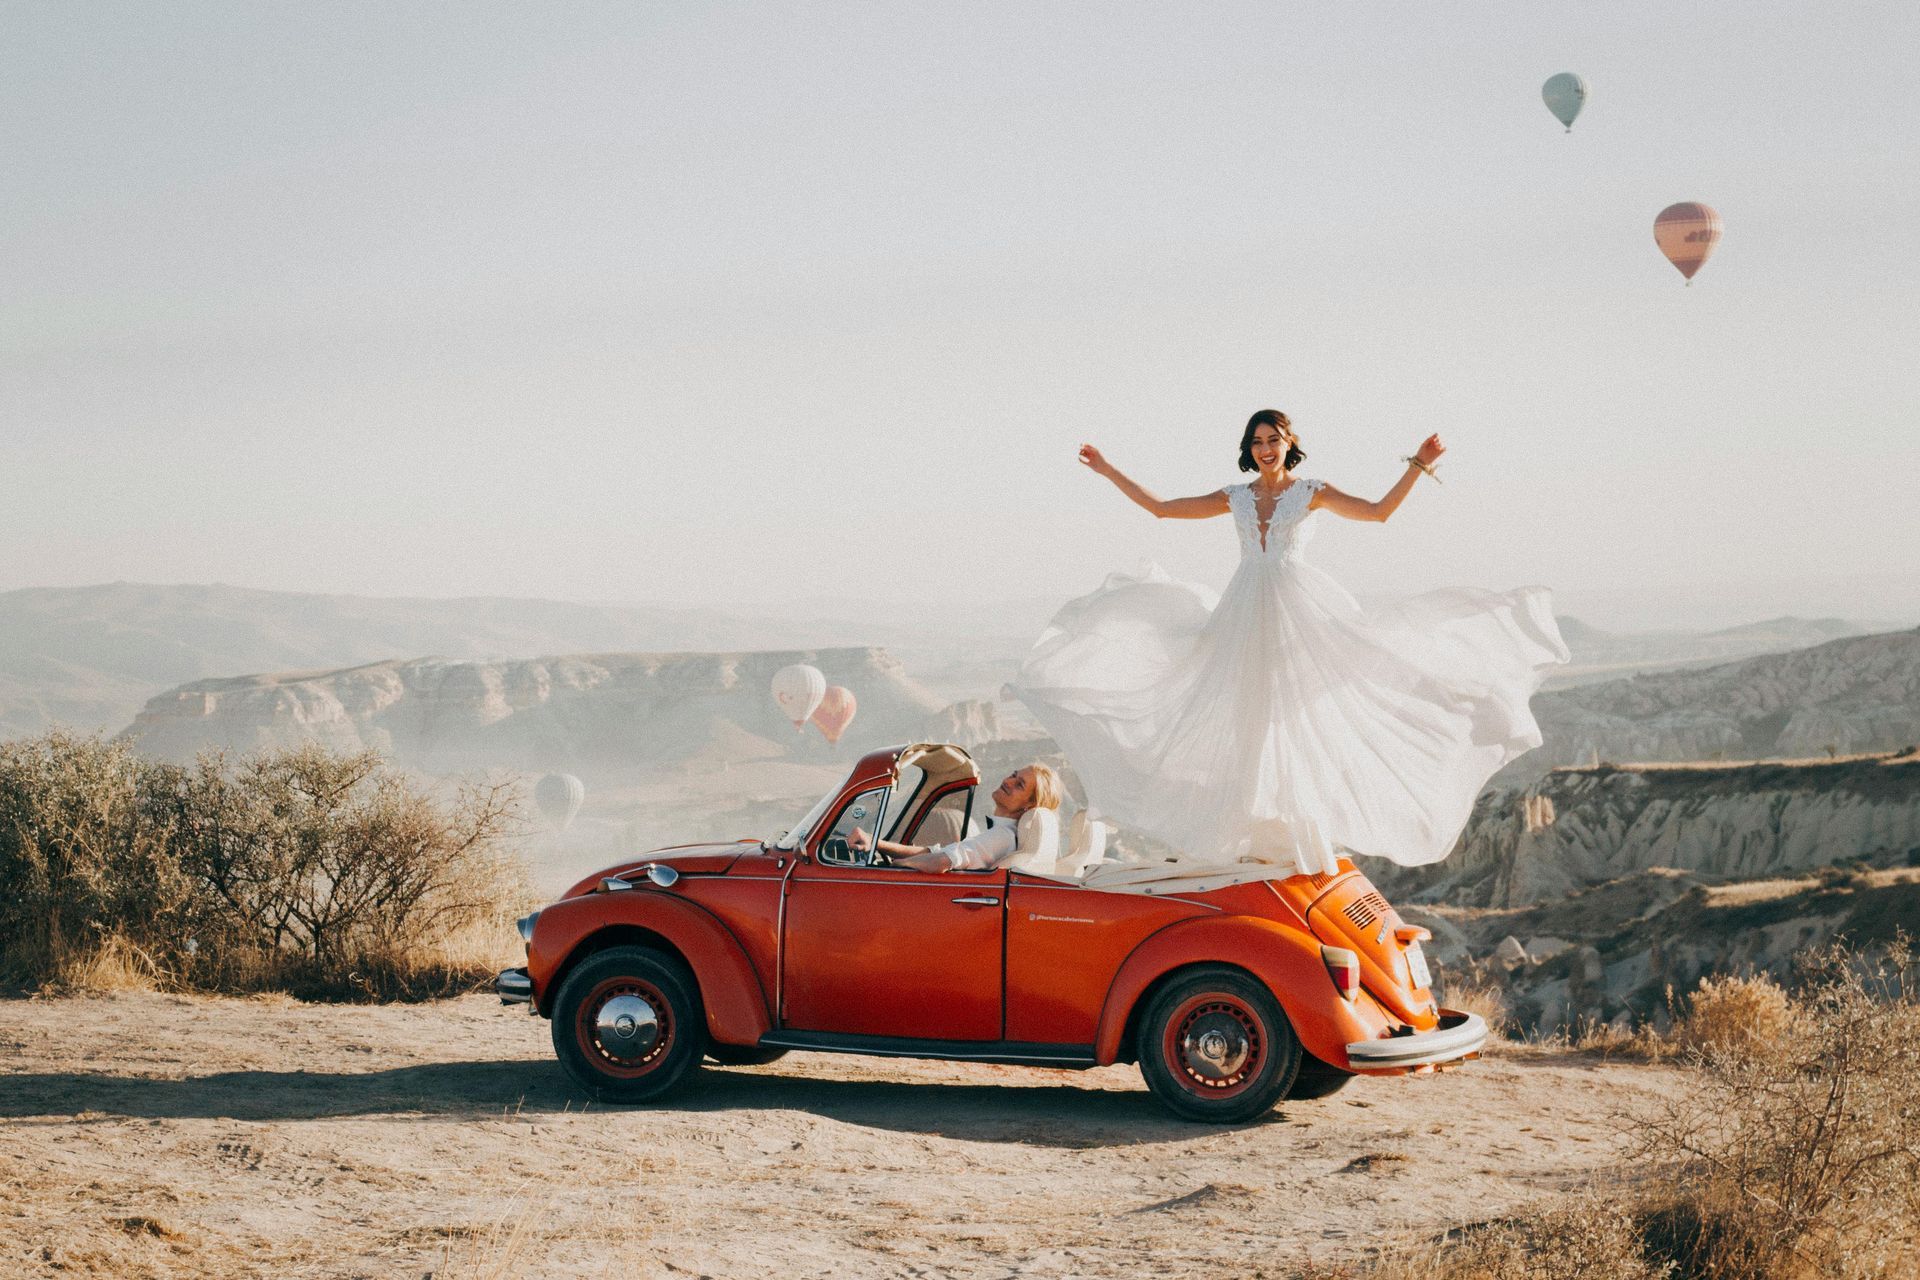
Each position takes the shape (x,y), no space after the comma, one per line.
(1686,233)
(1565,94)
(797,690)
(835,712)
(559,796)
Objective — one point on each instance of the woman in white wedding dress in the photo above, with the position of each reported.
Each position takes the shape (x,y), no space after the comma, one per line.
(1285,724)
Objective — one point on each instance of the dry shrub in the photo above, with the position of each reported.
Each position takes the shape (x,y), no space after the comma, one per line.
(324,874)
(1736,1015)
(1800,1154)
(84,856)
(1792,1151)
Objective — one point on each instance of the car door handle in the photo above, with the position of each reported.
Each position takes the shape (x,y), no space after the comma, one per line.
(978,902)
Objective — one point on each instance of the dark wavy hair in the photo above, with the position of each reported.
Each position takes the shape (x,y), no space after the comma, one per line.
(1270,418)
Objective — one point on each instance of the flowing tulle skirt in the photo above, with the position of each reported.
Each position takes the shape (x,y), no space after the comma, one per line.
(1284,723)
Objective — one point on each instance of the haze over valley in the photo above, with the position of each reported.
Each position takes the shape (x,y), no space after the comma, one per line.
(664,713)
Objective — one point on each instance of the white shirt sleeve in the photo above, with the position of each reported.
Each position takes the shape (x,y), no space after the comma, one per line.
(985,849)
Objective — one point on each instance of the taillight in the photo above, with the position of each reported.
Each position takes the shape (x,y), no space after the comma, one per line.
(1343,966)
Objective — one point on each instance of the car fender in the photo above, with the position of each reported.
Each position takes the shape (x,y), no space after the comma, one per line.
(1286,959)
(731,991)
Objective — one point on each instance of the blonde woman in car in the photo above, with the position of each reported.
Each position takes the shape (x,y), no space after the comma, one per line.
(1022,832)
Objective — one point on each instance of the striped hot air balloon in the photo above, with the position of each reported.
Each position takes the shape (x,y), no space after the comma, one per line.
(1686,233)
(835,712)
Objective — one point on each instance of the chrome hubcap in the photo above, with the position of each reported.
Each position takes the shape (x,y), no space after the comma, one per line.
(627,1026)
(1216,1046)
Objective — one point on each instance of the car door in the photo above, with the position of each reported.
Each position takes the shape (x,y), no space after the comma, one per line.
(883,951)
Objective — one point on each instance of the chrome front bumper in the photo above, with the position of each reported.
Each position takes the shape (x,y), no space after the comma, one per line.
(1458,1035)
(514,986)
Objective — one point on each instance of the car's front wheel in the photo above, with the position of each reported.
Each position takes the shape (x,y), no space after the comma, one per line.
(1214,1045)
(628,1025)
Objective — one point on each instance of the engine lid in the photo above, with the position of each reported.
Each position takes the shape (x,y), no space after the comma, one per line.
(1353,914)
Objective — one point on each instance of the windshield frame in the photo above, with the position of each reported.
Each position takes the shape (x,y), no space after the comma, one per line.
(797,834)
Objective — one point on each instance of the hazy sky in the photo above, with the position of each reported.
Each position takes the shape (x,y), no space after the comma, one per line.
(688,302)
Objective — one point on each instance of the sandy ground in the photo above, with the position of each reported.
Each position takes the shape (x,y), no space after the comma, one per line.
(147,1135)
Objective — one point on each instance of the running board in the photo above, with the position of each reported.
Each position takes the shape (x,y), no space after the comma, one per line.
(1016,1053)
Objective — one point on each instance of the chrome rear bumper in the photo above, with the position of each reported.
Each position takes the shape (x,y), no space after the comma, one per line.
(1458,1035)
(514,986)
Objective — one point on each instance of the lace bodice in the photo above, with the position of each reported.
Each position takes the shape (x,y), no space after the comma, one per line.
(1287,528)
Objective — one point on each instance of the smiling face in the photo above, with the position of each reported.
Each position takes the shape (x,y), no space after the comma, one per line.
(1269,448)
(1015,792)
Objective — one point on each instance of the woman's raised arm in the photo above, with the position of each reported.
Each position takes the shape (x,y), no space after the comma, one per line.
(1198,507)
(1352,508)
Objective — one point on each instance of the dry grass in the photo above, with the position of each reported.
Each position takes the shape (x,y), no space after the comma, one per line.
(504,1249)
(1584,1239)
(1794,1153)
(1489,1001)
(113,965)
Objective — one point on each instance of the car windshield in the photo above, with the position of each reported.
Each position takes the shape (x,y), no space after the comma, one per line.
(798,832)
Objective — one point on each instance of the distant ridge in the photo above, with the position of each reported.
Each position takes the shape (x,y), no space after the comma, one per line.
(1606,655)
(89,657)
(1859,694)
(594,714)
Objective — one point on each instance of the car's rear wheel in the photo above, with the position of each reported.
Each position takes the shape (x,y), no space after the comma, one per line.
(1318,1079)
(1214,1045)
(628,1026)
(743,1055)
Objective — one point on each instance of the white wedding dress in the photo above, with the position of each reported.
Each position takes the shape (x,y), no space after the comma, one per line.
(1285,724)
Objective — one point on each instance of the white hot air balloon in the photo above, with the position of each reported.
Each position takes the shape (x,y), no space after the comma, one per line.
(559,796)
(797,691)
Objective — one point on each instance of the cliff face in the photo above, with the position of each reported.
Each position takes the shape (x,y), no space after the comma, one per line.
(1623,952)
(1582,827)
(600,710)
(1853,695)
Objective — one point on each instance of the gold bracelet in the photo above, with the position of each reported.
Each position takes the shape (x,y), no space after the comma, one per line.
(1412,461)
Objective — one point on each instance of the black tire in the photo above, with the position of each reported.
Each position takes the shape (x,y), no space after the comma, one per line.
(656,986)
(743,1055)
(1215,1046)
(1317,1079)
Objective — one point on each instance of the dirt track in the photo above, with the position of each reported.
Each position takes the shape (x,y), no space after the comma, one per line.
(157,1135)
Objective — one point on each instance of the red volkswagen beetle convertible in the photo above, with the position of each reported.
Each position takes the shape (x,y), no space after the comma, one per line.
(1229,994)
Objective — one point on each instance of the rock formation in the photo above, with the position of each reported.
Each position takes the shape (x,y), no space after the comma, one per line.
(1737,822)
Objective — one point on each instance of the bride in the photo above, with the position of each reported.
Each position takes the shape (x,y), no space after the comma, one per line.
(1285,723)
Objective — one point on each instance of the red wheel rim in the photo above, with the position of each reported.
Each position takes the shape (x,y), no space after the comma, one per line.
(612,1029)
(1215,1045)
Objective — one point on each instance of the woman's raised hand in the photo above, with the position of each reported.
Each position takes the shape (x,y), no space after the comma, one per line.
(1430,450)
(1092,457)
